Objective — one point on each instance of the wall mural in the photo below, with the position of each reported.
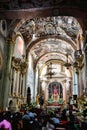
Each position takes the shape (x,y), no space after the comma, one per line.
(62,26)
(48,45)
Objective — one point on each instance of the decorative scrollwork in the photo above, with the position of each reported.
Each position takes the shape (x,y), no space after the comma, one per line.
(19,65)
(79,56)
(79,59)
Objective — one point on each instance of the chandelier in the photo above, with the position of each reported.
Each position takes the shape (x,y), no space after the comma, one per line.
(78,60)
(50,73)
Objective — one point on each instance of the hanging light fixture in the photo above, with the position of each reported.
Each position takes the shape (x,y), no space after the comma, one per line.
(50,73)
(78,61)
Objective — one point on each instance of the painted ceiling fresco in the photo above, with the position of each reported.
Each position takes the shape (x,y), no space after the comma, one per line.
(50,45)
(50,35)
(63,26)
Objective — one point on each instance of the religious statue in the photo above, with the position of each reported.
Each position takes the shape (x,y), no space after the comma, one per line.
(55,94)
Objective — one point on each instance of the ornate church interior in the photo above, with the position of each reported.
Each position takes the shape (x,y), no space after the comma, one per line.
(43,55)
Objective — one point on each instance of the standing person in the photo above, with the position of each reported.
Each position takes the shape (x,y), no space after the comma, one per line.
(41,101)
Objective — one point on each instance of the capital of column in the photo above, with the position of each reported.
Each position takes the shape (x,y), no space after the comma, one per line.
(19,65)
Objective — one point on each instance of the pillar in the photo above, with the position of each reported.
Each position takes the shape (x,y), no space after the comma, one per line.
(17,83)
(36,83)
(75,83)
(14,82)
(64,91)
(6,80)
(80,83)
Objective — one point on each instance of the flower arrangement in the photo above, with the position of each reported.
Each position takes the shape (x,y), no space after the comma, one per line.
(50,101)
(82,105)
(60,101)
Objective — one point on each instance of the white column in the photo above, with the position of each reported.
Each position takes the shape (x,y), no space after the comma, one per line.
(64,91)
(44,89)
(23,85)
(36,83)
(20,84)
(11,80)
(80,83)
(17,83)
(14,82)
(67,90)
(47,84)
(74,83)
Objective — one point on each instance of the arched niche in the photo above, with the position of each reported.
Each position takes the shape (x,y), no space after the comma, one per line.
(55,88)
(19,48)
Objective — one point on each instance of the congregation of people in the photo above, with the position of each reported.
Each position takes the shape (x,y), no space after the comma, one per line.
(39,119)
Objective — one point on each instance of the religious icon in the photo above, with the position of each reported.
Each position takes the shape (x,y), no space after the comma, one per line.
(55,94)
(55,90)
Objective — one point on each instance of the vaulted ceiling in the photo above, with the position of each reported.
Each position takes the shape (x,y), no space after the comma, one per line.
(51,37)
(49,27)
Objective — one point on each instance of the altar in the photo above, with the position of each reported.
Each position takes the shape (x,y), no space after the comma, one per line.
(53,108)
(54,105)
